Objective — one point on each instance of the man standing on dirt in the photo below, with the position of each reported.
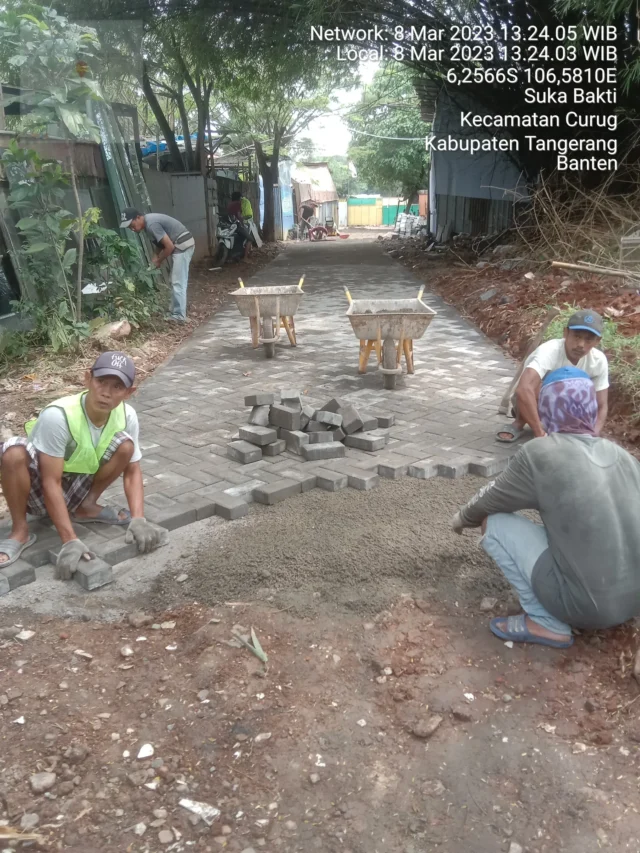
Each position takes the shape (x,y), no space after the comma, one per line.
(576,348)
(581,567)
(74,450)
(171,240)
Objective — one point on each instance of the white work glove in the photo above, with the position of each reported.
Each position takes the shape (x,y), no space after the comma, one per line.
(146,535)
(70,555)
(457,524)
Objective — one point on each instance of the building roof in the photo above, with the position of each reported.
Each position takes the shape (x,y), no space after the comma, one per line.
(317,177)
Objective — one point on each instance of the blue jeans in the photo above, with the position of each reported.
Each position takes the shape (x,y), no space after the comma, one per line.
(515,543)
(179,280)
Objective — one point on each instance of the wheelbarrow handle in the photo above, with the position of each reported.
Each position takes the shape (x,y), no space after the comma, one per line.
(240,282)
(347,294)
(420,292)
(301,282)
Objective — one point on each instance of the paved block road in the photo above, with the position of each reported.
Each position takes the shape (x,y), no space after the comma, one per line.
(445,414)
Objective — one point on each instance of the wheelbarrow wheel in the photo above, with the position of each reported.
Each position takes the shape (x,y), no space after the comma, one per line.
(389,363)
(267,332)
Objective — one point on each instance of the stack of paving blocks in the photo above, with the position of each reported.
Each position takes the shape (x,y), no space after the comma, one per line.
(314,434)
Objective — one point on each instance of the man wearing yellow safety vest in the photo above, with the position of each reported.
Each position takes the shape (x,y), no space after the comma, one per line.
(74,450)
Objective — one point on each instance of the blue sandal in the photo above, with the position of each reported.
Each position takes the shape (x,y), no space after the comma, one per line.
(517,632)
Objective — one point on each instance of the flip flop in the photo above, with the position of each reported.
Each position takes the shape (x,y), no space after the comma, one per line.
(13,549)
(513,431)
(107,515)
(517,632)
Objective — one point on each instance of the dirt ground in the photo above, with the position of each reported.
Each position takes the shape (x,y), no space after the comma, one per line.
(387,720)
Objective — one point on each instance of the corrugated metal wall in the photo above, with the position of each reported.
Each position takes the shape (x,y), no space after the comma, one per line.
(473,215)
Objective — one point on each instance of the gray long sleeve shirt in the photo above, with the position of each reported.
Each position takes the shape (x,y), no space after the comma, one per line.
(587,491)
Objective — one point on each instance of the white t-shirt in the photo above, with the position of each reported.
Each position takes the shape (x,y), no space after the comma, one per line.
(51,434)
(552,355)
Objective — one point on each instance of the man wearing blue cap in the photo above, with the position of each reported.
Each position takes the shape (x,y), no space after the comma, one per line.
(76,448)
(577,348)
(580,568)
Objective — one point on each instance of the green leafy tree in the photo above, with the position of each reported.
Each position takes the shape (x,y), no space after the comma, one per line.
(346,183)
(52,57)
(273,95)
(388,146)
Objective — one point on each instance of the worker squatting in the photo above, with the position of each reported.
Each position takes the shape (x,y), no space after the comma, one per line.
(563,147)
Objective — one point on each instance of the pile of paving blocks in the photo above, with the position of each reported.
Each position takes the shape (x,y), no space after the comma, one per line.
(314,434)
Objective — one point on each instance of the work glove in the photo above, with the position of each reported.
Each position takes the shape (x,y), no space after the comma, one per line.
(69,557)
(146,535)
(457,524)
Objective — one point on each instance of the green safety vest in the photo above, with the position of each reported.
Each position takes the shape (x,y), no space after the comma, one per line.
(85,459)
(245,208)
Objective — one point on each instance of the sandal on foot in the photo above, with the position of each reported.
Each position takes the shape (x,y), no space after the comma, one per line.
(107,515)
(13,549)
(517,631)
(512,431)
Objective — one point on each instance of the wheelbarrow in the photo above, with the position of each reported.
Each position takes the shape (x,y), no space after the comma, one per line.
(379,323)
(269,310)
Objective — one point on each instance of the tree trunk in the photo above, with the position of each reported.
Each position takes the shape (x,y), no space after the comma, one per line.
(270,173)
(165,127)
(190,165)
(76,196)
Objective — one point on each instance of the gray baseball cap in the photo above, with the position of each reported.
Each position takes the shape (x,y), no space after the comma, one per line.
(115,364)
(588,321)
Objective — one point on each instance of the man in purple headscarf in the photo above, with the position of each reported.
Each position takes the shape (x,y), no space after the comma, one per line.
(581,567)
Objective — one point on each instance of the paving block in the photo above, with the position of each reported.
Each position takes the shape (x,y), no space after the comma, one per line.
(331,481)
(320,437)
(453,469)
(392,467)
(488,467)
(351,420)
(294,439)
(314,426)
(385,421)
(384,432)
(363,441)
(171,519)
(275,448)
(328,418)
(423,470)
(243,451)
(307,415)
(334,405)
(116,551)
(258,435)
(4,585)
(259,400)
(260,416)
(273,493)
(285,417)
(338,433)
(245,491)
(306,479)
(362,480)
(230,507)
(17,574)
(291,399)
(324,450)
(369,422)
(203,506)
(93,574)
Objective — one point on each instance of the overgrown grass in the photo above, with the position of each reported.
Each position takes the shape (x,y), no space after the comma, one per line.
(622,352)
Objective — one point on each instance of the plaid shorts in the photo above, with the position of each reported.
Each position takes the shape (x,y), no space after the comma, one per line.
(75,487)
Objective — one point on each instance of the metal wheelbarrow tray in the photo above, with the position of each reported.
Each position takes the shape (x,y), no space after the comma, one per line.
(379,323)
(269,309)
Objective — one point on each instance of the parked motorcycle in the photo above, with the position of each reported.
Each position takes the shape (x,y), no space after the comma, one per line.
(232,241)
